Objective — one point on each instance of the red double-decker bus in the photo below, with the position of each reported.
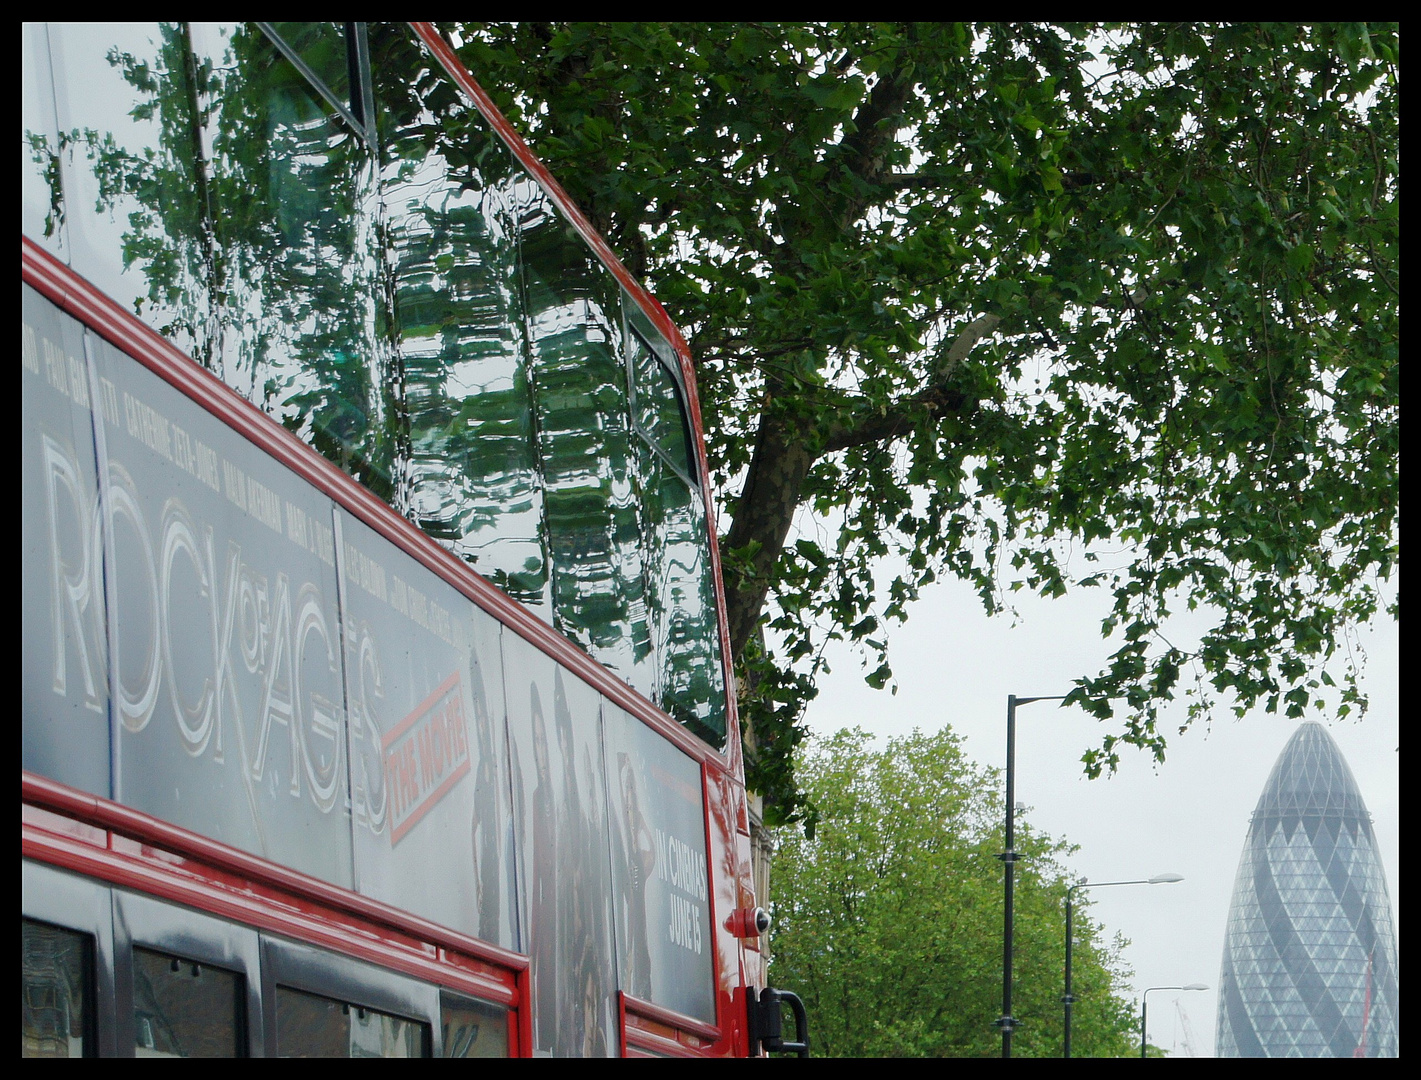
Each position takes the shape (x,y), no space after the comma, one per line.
(376,698)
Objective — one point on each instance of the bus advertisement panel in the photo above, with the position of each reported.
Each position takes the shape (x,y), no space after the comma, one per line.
(374,654)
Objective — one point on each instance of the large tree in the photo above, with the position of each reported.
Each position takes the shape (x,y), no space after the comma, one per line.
(888,914)
(964,297)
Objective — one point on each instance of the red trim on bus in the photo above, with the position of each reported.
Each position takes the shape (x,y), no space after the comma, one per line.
(645,1030)
(525,995)
(127,864)
(644,1044)
(672,1019)
(621,1023)
(92,828)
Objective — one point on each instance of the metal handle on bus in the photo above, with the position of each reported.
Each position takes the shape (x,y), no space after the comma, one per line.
(767,1024)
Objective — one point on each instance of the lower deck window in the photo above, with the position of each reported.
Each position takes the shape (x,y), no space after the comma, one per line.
(473,1029)
(308,1025)
(185,1009)
(57,999)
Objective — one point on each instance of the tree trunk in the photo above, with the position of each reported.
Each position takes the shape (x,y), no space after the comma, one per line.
(763,515)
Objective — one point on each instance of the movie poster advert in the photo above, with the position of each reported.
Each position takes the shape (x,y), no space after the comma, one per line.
(429,795)
(659,872)
(225,639)
(560,808)
(64,661)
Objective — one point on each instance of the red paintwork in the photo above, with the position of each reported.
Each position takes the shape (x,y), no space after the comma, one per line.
(103,839)
(133,850)
(170,845)
(695,1030)
(647,1030)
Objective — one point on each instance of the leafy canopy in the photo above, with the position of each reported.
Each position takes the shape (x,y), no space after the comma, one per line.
(888,916)
(966,297)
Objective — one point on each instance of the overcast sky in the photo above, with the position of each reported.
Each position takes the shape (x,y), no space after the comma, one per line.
(956,666)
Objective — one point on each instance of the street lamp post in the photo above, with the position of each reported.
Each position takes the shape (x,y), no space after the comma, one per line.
(1068,999)
(1006,1021)
(1146,994)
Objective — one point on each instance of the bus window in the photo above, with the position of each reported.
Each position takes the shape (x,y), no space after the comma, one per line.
(659,412)
(214,190)
(473,1029)
(185,1009)
(450,191)
(42,203)
(335,58)
(311,1026)
(57,1000)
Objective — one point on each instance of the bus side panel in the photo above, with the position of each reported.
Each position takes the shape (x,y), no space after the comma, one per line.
(65,686)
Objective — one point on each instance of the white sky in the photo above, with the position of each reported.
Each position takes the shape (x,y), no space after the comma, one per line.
(956,666)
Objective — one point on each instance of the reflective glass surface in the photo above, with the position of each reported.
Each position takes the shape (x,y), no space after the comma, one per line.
(132,181)
(55,999)
(308,1025)
(214,192)
(580,393)
(426,318)
(185,1009)
(322,48)
(451,195)
(295,201)
(1310,958)
(660,414)
(42,204)
(473,1029)
(682,599)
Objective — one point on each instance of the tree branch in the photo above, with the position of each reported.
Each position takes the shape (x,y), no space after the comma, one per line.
(875,425)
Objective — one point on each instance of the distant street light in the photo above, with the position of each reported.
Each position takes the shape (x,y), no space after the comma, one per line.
(1006,1021)
(1191,986)
(1158,879)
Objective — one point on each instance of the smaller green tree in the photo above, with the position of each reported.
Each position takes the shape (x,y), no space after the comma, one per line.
(888,913)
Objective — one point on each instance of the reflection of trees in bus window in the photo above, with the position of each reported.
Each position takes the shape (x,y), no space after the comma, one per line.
(134,181)
(321,47)
(450,191)
(428,320)
(304,318)
(574,318)
(659,411)
(218,195)
(682,597)
(41,191)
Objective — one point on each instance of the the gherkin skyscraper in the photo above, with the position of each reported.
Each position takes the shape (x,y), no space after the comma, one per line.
(1310,954)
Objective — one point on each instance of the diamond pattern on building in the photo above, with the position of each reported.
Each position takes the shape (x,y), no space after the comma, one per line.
(1310,966)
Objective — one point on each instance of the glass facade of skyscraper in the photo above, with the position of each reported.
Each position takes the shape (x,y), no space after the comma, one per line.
(1310,965)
